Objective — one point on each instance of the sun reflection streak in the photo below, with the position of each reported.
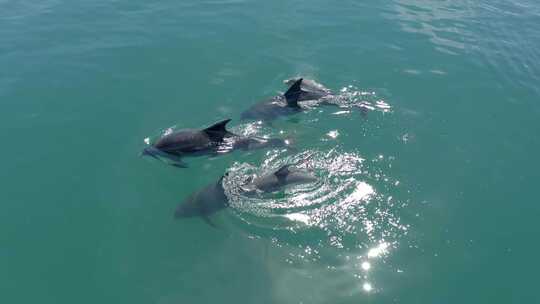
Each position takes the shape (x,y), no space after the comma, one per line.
(378,251)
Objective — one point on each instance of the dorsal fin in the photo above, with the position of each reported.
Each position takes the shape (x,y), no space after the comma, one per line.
(217,131)
(220,180)
(218,126)
(282,172)
(293,93)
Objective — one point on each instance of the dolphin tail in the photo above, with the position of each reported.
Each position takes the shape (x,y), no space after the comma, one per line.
(293,93)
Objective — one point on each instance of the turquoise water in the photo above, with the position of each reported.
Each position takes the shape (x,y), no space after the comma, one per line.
(428,198)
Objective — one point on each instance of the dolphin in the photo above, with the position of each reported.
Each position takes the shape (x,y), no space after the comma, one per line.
(310,89)
(204,202)
(316,94)
(213,140)
(276,180)
(281,105)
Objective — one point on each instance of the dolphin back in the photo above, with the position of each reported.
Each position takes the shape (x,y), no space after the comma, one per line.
(183,141)
(281,178)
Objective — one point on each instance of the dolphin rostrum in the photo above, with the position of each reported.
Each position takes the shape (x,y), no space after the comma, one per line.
(204,202)
(276,180)
(213,140)
(281,105)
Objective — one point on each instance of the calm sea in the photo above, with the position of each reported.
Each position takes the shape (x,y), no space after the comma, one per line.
(427,195)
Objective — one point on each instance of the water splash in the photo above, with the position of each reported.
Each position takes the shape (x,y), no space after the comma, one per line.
(351,96)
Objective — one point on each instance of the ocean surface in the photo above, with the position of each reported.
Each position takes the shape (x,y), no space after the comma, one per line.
(427,173)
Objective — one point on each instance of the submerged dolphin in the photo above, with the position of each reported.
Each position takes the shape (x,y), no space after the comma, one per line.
(280,178)
(204,202)
(213,140)
(276,106)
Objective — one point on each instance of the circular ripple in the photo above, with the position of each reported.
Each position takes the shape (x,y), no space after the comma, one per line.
(342,209)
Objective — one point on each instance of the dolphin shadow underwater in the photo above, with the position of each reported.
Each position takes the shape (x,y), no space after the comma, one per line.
(214,140)
(212,198)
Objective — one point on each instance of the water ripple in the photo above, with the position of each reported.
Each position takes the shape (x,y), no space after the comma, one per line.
(441,21)
(502,36)
(345,208)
